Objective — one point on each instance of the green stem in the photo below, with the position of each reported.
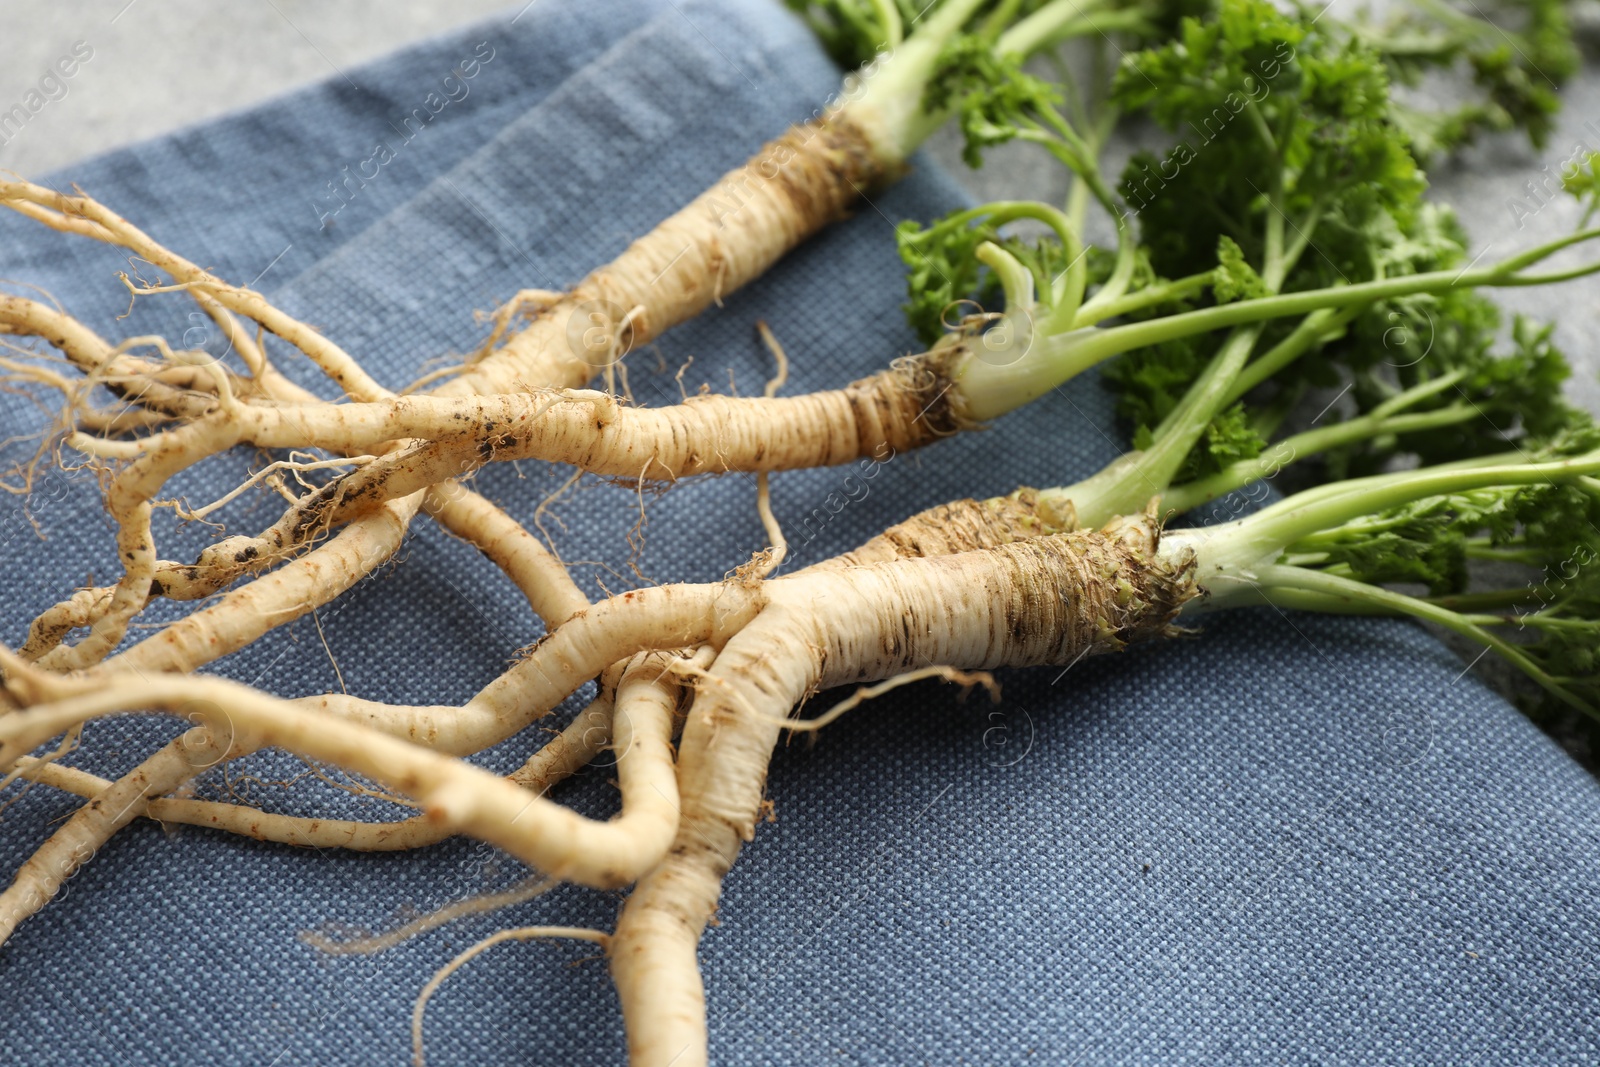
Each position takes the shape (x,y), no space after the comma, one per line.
(1540,620)
(1098,23)
(1257,539)
(1120,491)
(1073,152)
(1043,28)
(1116,286)
(1077,205)
(1460,22)
(1258,121)
(1299,588)
(1182,498)
(889,105)
(999,19)
(1177,433)
(1125,486)
(1081,156)
(1306,227)
(889,20)
(1016,281)
(1314,329)
(1505,554)
(996,389)
(1332,489)
(1492,599)
(1065,291)
(1418,393)
(1088,315)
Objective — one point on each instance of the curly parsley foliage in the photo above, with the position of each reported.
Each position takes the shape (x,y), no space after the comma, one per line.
(1516,55)
(855,31)
(1285,125)
(1229,438)
(1425,543)
(993,97)
(1235,278)
(1274,116)
(1451,339)
(1326,125)
(1150,381)
(1293,175)
(946,281)
(942,270)
(1582,180)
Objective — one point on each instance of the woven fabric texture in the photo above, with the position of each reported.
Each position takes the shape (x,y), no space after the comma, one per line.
(1288,839)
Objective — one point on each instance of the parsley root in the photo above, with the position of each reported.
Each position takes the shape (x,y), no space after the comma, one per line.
(1241,313)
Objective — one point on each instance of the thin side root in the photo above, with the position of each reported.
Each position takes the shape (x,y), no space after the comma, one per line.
(966,679)
(524,891)
(523,933)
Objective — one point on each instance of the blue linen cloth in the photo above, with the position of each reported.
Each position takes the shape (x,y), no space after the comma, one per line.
(1291,839)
